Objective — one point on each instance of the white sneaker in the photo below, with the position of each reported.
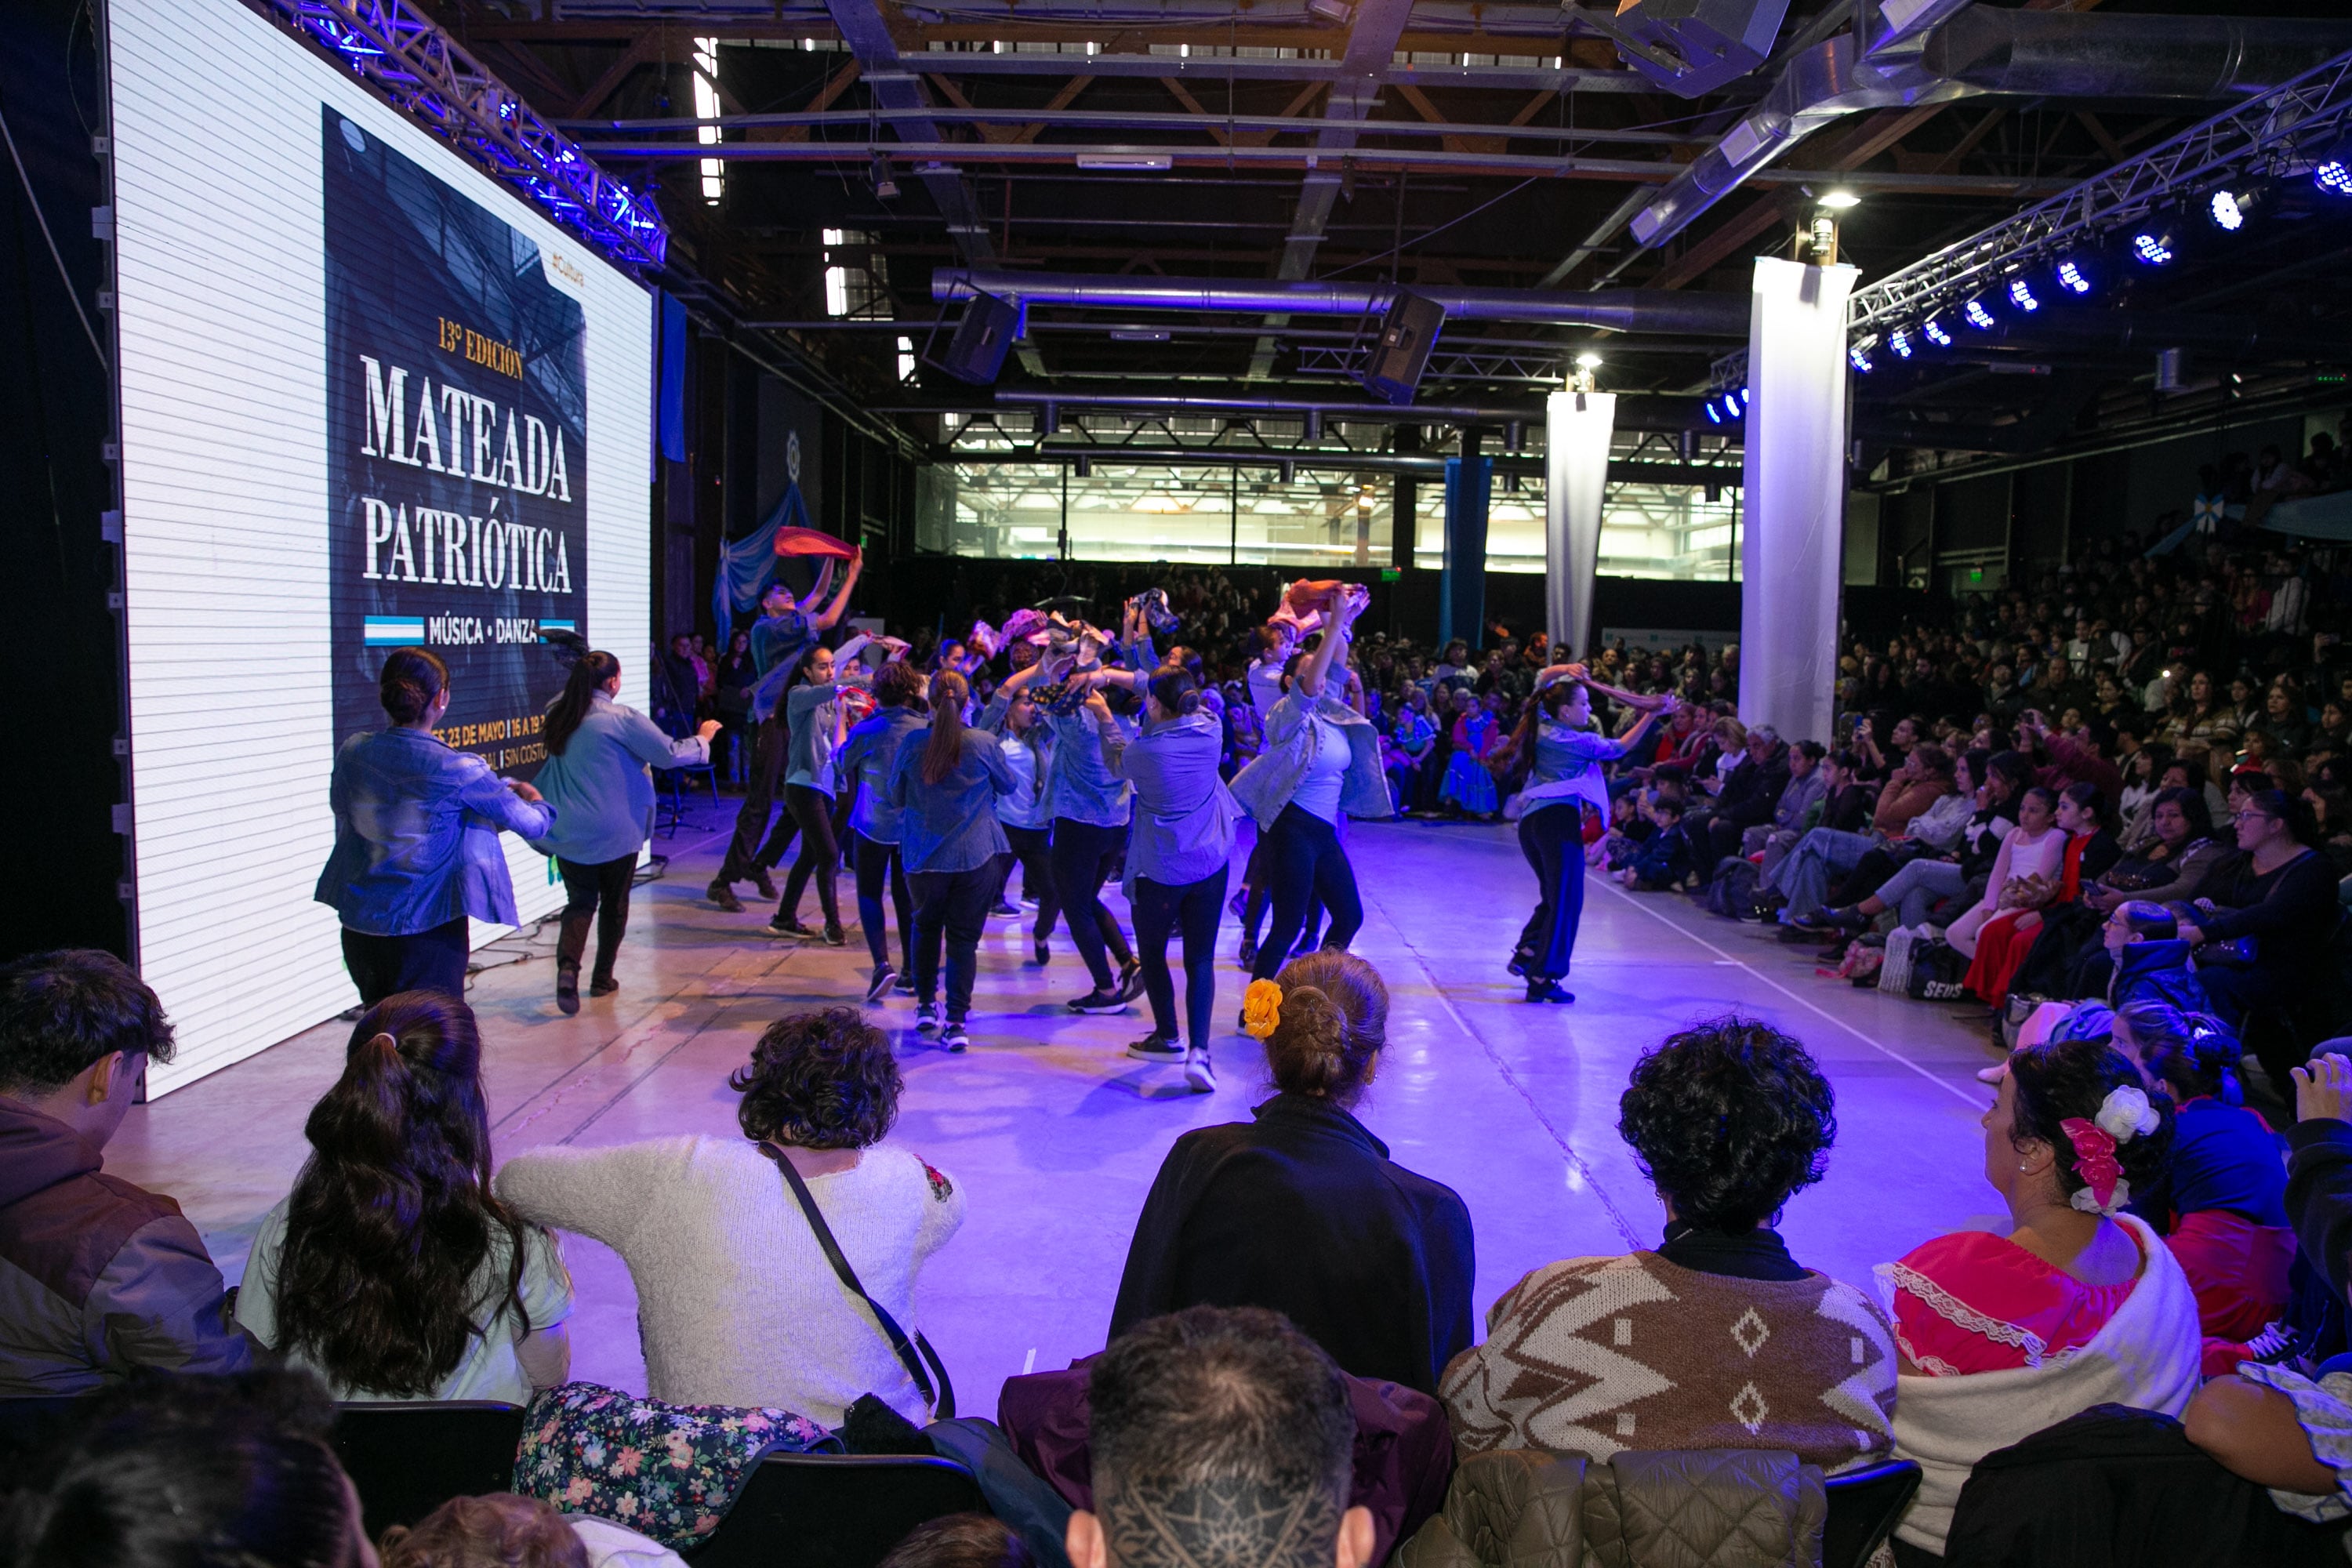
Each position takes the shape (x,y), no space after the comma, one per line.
(1199,1077)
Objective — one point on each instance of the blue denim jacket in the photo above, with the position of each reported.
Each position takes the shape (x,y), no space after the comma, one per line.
(950,826)
(417,836)
(1266,786)
(1568,768)
(1079,784)
(779,643)
(603,797)
(863,764)
(1184,816)
(808,747)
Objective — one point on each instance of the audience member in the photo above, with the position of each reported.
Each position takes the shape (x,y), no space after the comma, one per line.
(98,1277)
(391,1269)
(1301,1210)
(736,1303)
(503,1529)
(960,1540)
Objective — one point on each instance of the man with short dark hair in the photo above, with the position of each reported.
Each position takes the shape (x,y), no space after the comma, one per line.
(1220,1438)
(96,1276)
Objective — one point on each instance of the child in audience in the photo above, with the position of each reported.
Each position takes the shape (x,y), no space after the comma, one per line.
(505,1530)
(1664,860)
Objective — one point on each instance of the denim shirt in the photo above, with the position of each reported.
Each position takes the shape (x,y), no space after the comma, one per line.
(779,643)
(950,826)
(1266,786)
(1184,817)
(1568,769)
(863,764)
(417,836)
(603,797)
(808,750)
(1079,784)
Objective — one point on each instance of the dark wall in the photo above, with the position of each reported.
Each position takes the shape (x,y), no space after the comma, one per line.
(55,570)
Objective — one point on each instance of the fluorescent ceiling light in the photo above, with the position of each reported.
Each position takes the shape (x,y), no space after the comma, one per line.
(1154,161)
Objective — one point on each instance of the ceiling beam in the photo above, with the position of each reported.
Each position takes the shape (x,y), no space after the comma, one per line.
(646,48)
(1062,99)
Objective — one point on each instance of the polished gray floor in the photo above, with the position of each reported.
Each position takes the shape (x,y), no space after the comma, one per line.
(1056,1134)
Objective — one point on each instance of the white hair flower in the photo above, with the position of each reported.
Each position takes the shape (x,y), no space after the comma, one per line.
(2125,1113)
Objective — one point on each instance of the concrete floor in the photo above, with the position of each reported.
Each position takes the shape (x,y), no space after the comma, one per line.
(1056,1135)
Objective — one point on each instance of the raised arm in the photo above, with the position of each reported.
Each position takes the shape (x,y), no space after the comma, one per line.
(1106,731)
(831,615)
(1312,674)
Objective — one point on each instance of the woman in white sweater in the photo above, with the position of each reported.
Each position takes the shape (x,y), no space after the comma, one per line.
(735,1300)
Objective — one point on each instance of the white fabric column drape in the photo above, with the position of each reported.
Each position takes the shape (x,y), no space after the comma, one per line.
(1793,497)
(1577,426)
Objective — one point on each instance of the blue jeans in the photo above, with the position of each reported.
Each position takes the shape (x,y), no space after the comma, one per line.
(1919,886)
(1820,856)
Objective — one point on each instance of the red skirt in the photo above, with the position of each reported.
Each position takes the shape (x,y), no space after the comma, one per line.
(2001,952)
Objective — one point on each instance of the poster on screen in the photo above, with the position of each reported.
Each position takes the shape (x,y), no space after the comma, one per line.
(456,429)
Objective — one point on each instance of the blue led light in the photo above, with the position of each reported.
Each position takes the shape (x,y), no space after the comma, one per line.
(1859,357)
(2152,248)
(2226,215)
(2021,294)
(1936,334)
(1714,415)
(2073,278)
(1979,317)
(1900,342)
(2334,174)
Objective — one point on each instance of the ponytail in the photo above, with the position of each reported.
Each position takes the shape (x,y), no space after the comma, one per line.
(943,752)
(588,677)
(1176,690)
(412,679)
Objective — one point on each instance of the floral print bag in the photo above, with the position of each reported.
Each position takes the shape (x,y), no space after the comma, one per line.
(667,1471)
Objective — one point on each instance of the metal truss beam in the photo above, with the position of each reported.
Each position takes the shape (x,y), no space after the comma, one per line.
(419,69)
(1100,120)
(1445,364)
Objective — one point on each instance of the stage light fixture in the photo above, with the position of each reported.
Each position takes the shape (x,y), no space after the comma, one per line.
(2333,172)
(1588,359)
(1714,415)
(2021,294)
(2223,208)
(2152,246)
(1899,339)
(1859,357)
(1934,328)
(1841,200)
(2073,277)
(1977,315)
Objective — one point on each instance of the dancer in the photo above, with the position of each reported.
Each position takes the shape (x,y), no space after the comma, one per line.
(944,782)
(781,638)
(864,766)
(1014,721)
(1566,777)
(416,840)
(1088,809)
(595,778)
(1322,758)
(1179,859)
(814,731)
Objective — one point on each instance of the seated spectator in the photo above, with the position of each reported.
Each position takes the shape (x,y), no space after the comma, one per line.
(1747,796)
(1301,1210)
(1664,859)
(2002,1336)
(1914,887)
(960,1541)
(736,1300)
(2003,943)
(390,1270)
(194,1472)
(1924,776)
(2221,1205)
(2168,862)
(505,1531)
(1717,1338)
(2146,961)
(1800,805)
(98,1277)
(1220,1438)
(2026,856)
(2278,901)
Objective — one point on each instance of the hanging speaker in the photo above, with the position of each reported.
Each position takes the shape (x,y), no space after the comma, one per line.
(1393,368)
(981,338)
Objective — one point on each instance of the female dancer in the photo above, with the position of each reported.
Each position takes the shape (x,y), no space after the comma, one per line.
(416,840)
(1179,859)
(944,782)
(594,777)
(1322,758)
(1014,721)
(864,767)
(816,730)
(1565,777)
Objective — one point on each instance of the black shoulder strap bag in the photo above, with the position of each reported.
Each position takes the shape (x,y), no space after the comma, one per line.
(937,1391)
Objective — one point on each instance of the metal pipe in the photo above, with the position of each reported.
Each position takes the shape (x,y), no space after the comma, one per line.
(1670,311)
(2061,54)
(1417,465)
(1635,411)
(1106,120)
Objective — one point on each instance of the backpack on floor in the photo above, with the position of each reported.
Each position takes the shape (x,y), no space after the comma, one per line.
(1937,970)
(1733,892)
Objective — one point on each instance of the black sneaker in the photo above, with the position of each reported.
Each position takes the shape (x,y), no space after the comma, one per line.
(906,983)
(1518,964)
(953,1036)
(761,880)
(603,985)
(1239,904)
(1157,1047)
(1099,1001)
(567,989)
(1130,980)
(1002,909)
(927,1017)
(1199,1077)
(1249,955)
(1044,954)
(1540,989)
(835,937)
(885,977)
(780,926)
(722,895)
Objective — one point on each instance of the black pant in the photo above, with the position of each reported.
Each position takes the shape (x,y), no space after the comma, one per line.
(1194,908)
(1553,839)
(1031,852)
(1083,855)
(1305,863)
(745,850)
(951,905)
(877,862)
(383,966)
(595,891)
(820,856)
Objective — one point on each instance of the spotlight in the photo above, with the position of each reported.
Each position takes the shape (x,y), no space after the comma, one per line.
(2223,208)
(2333,172)
(1588,359)
(2021,294)
(1740,392)
(1978,316)
(2152,246)
(1859,356)
(1899,341)
(1936,336)
(2073,277)
(1841,201)
(885,188)
(1714,415)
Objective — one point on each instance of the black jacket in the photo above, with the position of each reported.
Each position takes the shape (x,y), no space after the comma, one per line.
(1301,1210)
(1752,789)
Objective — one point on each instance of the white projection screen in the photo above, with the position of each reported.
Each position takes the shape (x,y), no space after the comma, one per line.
(370,397)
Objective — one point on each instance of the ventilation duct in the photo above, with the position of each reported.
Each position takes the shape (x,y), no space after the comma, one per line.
(1691,46)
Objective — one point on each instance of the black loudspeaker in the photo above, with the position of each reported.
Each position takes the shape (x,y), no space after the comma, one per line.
(977,350)
(1393,368)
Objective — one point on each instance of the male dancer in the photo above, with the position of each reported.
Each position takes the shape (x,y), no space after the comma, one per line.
(781,638)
